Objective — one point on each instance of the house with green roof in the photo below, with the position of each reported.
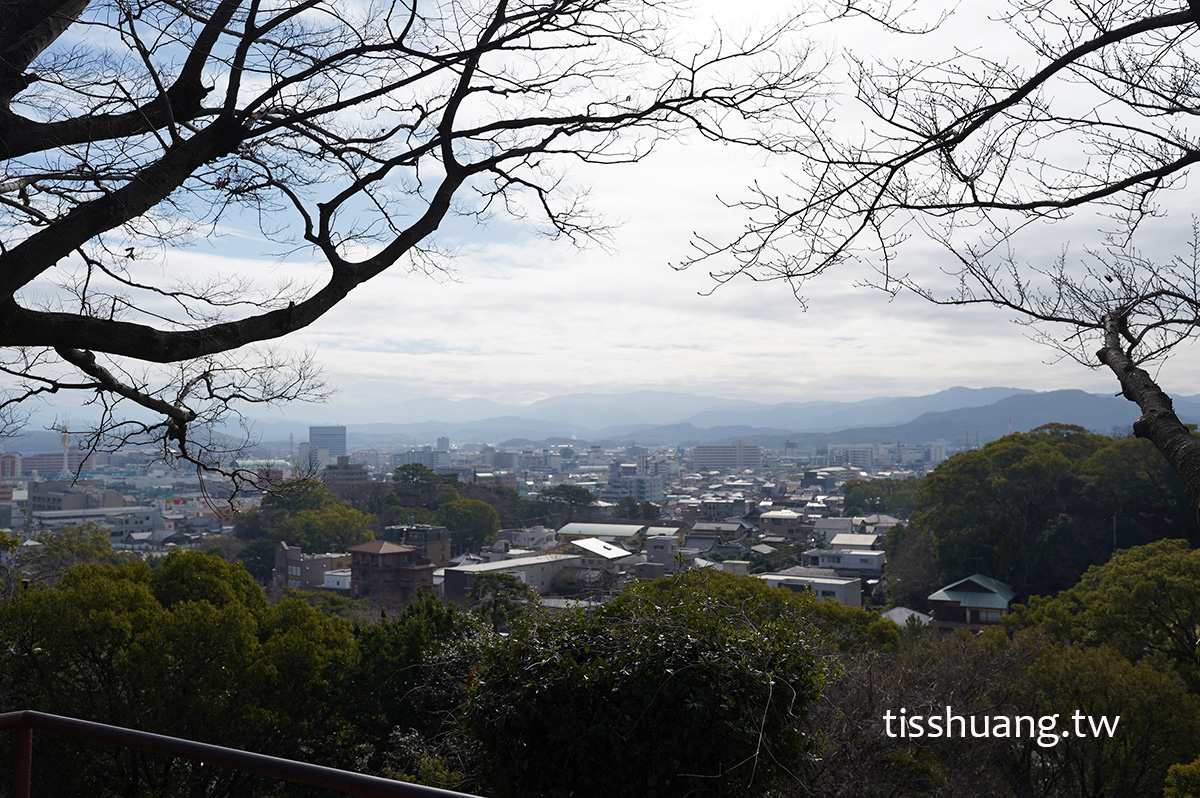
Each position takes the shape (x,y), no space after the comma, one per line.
(971,603)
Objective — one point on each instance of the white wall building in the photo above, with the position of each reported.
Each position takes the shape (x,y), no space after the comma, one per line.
(827,588)
(537,572)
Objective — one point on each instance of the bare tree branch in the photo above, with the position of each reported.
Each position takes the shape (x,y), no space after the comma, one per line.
(975,152)
(351,130)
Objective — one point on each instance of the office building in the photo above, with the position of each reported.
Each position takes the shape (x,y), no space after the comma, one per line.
(331,438)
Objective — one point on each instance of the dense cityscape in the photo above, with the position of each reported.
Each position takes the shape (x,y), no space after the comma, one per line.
(874,554)
(711,504)
(625,327)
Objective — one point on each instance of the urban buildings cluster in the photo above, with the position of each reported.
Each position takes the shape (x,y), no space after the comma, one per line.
(734,506)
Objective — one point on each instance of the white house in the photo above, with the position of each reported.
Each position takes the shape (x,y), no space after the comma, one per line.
(830,588)
(860,563)
(537,572)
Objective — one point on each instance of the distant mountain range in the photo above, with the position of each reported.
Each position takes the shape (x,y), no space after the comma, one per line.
(656,418)
(660,418)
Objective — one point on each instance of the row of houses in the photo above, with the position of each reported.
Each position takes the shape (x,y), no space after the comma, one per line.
(598,559)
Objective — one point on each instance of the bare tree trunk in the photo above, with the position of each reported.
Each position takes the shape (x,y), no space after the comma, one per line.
(1159,424)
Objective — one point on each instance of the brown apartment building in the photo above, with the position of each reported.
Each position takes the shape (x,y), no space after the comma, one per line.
(389,574)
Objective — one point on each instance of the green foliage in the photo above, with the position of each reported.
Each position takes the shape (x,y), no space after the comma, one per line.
(334,605)
(375,499)
(411,515)
(473,524)
(983,509)
(416,486)
(410,758)
(568,500)
(446,493)
(676,689)
(61,549)
(334,527)
(1130,478)
(1157,726)
(896,497)
(834,625)
(189,577)
(513,510)
(853,627)
(301,494)
(307,515)
(1144,601)
(627,507)
(553,507)
(1059,555)
(854,755)
(408,684)
(1183,781)
(500,599)
(568,582)
(572,495)
(258,558)
(1035,509)
(191,649)
(911,575)
(997,675)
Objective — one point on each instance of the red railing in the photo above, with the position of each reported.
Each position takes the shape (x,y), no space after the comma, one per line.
(26,721)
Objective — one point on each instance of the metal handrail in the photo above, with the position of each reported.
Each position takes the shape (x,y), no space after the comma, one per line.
(26,721)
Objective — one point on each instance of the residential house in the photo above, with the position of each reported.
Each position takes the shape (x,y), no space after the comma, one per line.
(537,572)
(725,529)
(536,537)
(661,550)
(853,540)
(784,523)
(602,563)
(825,529)
(861,563)
(846,591)
(971,603)
(299,571)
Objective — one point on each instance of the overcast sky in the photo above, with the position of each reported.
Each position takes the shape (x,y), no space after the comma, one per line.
(525,318)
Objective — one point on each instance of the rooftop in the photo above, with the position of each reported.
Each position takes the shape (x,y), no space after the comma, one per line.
(381,547)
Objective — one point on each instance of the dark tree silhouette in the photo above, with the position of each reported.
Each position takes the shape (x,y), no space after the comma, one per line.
(348,130)
(1085,110)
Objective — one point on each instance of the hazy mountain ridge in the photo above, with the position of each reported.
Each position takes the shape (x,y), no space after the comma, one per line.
(957,415)
(1019,411)
(825,416)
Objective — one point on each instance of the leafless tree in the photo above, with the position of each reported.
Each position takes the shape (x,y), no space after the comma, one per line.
(1047,109)
(348,129)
